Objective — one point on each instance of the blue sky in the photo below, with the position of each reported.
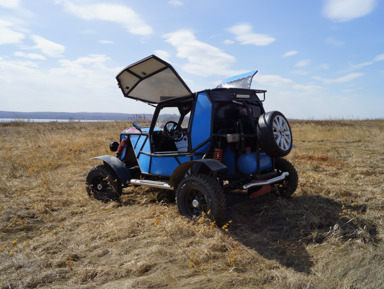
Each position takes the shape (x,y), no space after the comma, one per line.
(317,59)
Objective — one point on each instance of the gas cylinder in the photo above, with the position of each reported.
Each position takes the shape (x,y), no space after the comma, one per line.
(247,162)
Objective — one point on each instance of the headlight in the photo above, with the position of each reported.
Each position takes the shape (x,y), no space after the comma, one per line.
(113,146)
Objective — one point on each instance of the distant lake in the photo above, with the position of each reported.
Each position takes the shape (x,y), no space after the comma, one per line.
(50,120)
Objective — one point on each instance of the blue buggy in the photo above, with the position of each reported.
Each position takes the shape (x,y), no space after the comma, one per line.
(200,147)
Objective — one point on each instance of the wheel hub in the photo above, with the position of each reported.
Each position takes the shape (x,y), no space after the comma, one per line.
(195,203)
(99,187)
(282,133)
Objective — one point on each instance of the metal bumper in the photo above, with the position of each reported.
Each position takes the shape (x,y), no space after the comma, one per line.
(266,182)
(153,184)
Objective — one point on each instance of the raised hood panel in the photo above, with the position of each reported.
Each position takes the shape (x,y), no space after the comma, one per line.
(151,80)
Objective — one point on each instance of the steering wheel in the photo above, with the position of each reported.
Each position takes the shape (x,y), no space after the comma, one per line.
(173,130)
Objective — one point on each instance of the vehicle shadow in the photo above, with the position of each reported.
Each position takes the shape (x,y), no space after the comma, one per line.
(280,228)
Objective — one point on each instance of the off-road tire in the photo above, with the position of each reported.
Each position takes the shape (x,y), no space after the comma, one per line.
(208,194)
(103,184)
(289,185)
(274,134)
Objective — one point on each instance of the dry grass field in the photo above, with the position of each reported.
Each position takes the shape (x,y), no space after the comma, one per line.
(330,234)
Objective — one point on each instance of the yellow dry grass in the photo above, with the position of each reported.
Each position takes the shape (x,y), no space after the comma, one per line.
(328,235)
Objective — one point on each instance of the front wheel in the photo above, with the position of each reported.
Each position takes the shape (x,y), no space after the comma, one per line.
(103,184)
(289,185)
(201,194)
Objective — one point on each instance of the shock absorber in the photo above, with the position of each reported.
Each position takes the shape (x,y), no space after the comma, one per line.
(218,154)
(121,147)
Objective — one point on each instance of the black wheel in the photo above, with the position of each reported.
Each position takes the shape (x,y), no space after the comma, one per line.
(173,130)
(103,184)
(274,134)
(201,193)
(289,185)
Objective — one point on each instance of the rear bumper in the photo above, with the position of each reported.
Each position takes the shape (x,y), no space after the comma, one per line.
(266,182)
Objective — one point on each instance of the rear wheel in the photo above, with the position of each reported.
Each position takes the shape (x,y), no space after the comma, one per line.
(201,194)
(289,185)
(103,184)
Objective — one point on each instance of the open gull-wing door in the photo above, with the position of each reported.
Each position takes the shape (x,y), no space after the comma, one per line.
(151,80)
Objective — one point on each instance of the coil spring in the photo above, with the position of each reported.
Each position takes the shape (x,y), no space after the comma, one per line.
(218,154)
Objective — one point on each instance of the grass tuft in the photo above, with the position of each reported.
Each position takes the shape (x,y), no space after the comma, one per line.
(328,235)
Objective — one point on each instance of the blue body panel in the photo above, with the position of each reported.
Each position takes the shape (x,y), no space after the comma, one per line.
(140,142)
(150,163)
(166,165)
(201,126)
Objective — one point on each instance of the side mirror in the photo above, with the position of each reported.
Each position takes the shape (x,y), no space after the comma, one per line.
(137,126)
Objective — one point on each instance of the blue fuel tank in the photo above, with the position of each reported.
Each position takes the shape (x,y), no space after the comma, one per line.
(247,162)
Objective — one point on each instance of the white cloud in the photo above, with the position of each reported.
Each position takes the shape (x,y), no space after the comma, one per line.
(29,55)
(244,35)
(83,84)
(228,42)
(277,81)
(351,90)
(203,59)
(12,4)
(300,72)
(12,73)
(303,63)
(8,35)
(295,100)
(48,47)
(324,66)
(162,54)
(334,42)
(106,41)
(120,14)
(378,58)
(81,67)
(6,65)
(346,10)
(175,2)
(88,32)
(290,53)
(343,79)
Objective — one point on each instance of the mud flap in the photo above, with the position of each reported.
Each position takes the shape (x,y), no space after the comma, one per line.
(179,173)
(118,166)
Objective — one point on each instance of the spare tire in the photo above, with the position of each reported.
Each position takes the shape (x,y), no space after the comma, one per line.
(274,134)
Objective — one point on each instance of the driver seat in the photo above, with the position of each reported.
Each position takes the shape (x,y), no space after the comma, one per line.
(162,142)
